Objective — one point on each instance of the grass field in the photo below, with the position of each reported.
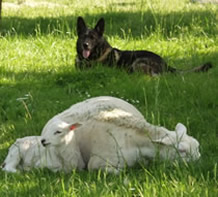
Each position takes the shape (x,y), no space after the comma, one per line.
(38,80)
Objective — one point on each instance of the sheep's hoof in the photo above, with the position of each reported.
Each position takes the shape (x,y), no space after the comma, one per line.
(12,170)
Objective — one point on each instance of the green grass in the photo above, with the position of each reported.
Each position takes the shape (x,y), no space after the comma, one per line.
(38,80)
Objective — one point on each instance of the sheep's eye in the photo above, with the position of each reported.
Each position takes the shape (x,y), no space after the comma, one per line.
(57,132)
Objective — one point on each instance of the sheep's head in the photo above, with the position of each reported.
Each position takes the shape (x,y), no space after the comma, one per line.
(179,145)
(59,133)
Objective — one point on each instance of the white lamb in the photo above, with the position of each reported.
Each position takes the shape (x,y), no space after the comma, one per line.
(114,134)
(30,152)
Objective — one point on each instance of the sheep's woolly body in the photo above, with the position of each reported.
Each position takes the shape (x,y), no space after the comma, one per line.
(91,108)
(127,120)
(114,133)
(110,134)
(107,109)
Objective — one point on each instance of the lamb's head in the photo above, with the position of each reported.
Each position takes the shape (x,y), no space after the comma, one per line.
(59,132)
(179,145)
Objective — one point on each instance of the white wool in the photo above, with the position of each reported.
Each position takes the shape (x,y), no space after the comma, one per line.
(102,132)
(90,108)
(114,134)
(65,144)
(28,152)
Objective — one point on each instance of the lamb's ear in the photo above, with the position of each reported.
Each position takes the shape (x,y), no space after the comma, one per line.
(181,130)
(99,28)
(81,26)
(74,126)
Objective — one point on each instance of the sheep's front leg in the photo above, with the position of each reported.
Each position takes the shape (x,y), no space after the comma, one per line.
(112,165)
(12,160)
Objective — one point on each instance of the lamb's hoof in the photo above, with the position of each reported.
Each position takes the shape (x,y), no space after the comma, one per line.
(12,170)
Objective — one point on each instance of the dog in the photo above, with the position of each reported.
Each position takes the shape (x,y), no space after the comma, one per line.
(114,134)
(92,48)
(33,152)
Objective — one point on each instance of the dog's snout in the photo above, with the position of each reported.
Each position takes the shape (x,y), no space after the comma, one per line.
(85,45)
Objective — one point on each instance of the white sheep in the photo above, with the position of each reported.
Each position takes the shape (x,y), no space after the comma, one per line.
(30,152)
(89,108)
(114,134)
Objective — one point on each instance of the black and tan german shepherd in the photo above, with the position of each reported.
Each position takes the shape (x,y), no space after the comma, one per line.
(92,48)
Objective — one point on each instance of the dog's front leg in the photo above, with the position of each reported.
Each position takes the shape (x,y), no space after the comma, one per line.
(82,64)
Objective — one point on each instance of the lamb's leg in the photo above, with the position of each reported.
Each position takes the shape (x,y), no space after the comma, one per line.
(111,166)
(12,160)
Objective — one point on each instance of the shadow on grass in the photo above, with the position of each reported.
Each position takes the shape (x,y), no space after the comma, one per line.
(118,23)
(53,93)
(59,90)
(68,74)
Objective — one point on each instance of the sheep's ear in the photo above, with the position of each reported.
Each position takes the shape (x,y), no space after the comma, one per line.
(74,126)
(181,130)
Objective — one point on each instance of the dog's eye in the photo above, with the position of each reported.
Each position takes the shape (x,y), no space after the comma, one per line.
(57,132)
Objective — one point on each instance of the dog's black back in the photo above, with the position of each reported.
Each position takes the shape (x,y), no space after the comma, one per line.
(92,48)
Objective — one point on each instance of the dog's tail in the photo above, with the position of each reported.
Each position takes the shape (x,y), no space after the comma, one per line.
(202,68)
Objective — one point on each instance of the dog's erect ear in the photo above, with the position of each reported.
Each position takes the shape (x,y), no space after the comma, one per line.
(81,26)
(100,27)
